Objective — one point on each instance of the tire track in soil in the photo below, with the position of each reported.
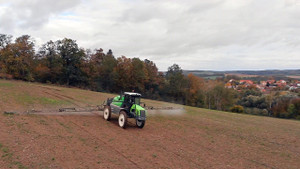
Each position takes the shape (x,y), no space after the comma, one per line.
(111,147)
(182,138)
(49,88)
(212,150)
(166,149)
(175,153)
(68,97)
(63,97)
(173,135)
(167,141)
(260,163)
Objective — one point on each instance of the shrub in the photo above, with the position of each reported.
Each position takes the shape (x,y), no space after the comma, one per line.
(265,112)
(296,103)
(247,110)
(292,112)
(256,111)
(237,109)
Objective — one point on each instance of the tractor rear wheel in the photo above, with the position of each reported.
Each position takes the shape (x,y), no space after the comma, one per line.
(122,119)
(140,123)
(107,113)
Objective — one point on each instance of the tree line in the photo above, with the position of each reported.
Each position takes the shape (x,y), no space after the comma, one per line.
(63,62)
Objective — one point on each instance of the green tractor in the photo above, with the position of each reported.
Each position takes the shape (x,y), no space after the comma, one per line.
(126,106)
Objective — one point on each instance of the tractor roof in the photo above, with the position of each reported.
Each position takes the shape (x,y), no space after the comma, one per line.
(132,94)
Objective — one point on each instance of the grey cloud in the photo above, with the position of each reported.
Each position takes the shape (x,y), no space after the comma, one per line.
(206,34)
(27,14)
(5,19)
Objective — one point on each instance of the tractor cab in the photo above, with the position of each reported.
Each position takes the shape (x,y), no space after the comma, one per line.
(131,99)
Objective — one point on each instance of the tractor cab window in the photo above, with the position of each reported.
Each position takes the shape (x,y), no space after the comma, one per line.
(137,100)
(126,101)
(129,100)
(126,98)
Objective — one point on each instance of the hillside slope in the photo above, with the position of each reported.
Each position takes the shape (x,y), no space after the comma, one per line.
(191,138)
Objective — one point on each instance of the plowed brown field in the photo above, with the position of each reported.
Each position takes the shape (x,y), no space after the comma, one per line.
(190,138)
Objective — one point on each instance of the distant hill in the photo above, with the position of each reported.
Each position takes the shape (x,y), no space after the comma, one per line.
(277,74)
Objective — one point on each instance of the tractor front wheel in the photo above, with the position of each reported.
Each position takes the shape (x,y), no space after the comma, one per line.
(122,119)
(107,113)
(140,123)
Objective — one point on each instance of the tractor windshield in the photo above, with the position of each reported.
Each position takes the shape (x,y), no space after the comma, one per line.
(137,100)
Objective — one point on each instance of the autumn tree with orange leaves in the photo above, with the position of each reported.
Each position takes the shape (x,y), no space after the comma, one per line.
(18,57)
(195,91)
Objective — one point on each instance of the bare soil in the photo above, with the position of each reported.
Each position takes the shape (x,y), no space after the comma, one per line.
(193,138)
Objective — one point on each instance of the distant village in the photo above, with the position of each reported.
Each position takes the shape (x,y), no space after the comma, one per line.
(263,86)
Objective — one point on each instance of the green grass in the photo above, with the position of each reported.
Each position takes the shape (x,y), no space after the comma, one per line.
(27,99)
(50,101)
(24,98)
(43,122)
(6,84)
(22,93)
(4,149)
(83,140)
(68,128)
(8,156)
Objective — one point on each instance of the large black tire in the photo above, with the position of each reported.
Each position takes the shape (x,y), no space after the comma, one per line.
(140,123)
(122,119)
(107,113)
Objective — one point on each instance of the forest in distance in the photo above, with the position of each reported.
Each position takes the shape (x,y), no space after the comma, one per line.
(63,62)
(249,74)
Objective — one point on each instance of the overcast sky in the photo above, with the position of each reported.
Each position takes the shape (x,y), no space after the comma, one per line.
(196,34)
